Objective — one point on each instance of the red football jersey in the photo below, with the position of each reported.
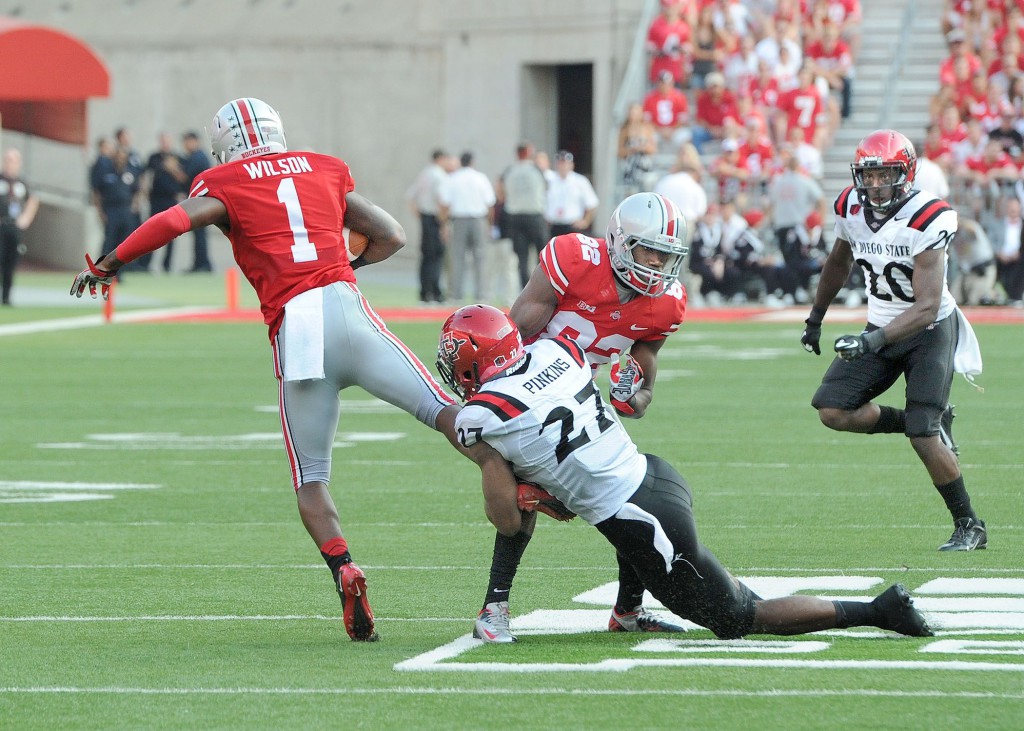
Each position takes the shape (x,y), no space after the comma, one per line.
(286,213)
(588,308)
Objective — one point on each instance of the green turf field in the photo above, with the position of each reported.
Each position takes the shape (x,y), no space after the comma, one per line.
(154,572)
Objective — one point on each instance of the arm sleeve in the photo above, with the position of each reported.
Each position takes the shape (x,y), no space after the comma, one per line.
(154,233)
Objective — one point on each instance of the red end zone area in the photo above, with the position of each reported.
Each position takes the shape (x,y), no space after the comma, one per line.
(977,315)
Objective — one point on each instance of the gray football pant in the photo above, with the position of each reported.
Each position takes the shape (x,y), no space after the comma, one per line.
(358,351)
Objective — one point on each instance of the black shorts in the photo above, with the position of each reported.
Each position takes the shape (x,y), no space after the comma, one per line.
(656,533)
(926,361)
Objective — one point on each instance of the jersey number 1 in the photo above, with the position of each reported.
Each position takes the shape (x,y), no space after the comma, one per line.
(303,249)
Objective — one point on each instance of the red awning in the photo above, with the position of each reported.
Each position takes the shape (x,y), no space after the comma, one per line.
(45,78)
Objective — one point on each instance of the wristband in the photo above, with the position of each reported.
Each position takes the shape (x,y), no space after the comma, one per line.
(874,340)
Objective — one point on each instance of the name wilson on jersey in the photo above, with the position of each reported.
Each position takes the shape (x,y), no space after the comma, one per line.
(283,166)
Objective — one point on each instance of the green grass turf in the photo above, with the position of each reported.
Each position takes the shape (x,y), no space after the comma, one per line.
(776,494)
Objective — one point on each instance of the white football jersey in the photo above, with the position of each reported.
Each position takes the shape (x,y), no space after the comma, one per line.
(886,251)
(549,421)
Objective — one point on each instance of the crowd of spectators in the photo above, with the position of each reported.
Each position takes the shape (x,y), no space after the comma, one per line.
(742,91)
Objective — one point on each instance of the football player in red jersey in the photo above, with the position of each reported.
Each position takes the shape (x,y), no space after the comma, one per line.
(620,295)
(284,213)
(900,237)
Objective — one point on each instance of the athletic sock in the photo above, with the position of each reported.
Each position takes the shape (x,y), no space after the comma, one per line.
(890,421)
(508,550)
(335,553)
(855,614)
(958,502)
(631,588)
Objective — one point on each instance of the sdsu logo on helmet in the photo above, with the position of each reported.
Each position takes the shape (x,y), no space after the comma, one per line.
(477,343)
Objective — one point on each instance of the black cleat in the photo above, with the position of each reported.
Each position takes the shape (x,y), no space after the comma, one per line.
(946,430)
(896,612)
(969,535)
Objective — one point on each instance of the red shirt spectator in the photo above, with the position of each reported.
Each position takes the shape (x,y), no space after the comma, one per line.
(666,106)
(668,42)
(714,104)
(731,170)
(831,55)
(764,89)
(957,49)
(802,107)
(992,165)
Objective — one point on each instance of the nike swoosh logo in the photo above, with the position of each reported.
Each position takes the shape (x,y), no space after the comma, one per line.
(634,327)
(502,591)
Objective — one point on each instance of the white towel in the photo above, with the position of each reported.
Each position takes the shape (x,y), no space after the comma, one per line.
(304,336)
(967,356)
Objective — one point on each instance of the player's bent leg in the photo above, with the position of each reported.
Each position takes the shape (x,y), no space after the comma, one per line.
(860,420)
(629,614)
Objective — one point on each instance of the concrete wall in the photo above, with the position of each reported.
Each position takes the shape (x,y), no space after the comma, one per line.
(378,83)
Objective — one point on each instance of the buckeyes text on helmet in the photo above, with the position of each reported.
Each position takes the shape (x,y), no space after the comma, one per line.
(477,343)
(883,169)
(653,222)
(244,128)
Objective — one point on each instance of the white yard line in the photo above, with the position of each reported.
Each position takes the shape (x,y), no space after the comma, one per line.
(84,321)
(525,692)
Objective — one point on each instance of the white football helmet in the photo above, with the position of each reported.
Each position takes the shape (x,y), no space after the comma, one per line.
(652,221)
(245,128)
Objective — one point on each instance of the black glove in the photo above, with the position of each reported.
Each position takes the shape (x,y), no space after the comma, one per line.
(811,337)
(851,347)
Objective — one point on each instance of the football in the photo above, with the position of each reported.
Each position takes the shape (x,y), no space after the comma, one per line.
(355,243)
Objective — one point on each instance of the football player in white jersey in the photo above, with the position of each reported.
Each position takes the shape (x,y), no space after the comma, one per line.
(612,296)
(900,237)
(537,407)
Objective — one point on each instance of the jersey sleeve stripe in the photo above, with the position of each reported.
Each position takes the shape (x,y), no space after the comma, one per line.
(556,277)
(841,201)
(572,348)
(504,407)
(923,218)
(198,188)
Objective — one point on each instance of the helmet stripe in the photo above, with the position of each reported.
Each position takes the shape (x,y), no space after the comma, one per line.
(245,116)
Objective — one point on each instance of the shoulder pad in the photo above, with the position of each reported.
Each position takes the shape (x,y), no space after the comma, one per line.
(842,201)
(928,213)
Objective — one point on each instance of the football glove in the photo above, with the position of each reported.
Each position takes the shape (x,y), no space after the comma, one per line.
(851,347)
(534,497)
(625,382)
(91,277)
(811,337)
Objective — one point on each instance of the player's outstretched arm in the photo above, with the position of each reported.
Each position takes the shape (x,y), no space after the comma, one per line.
(385,234)
(535,305)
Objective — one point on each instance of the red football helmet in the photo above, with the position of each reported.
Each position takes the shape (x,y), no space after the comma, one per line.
(477,343)
(889,160)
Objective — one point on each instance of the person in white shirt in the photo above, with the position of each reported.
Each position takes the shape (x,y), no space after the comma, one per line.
(571,201)
(422,197)
(1007,244)
(467,200)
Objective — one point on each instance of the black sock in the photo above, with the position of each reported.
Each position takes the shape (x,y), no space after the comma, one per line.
(958,502)
(631,588)
(334,563)
(508,550)
(854,614)
(890,421)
